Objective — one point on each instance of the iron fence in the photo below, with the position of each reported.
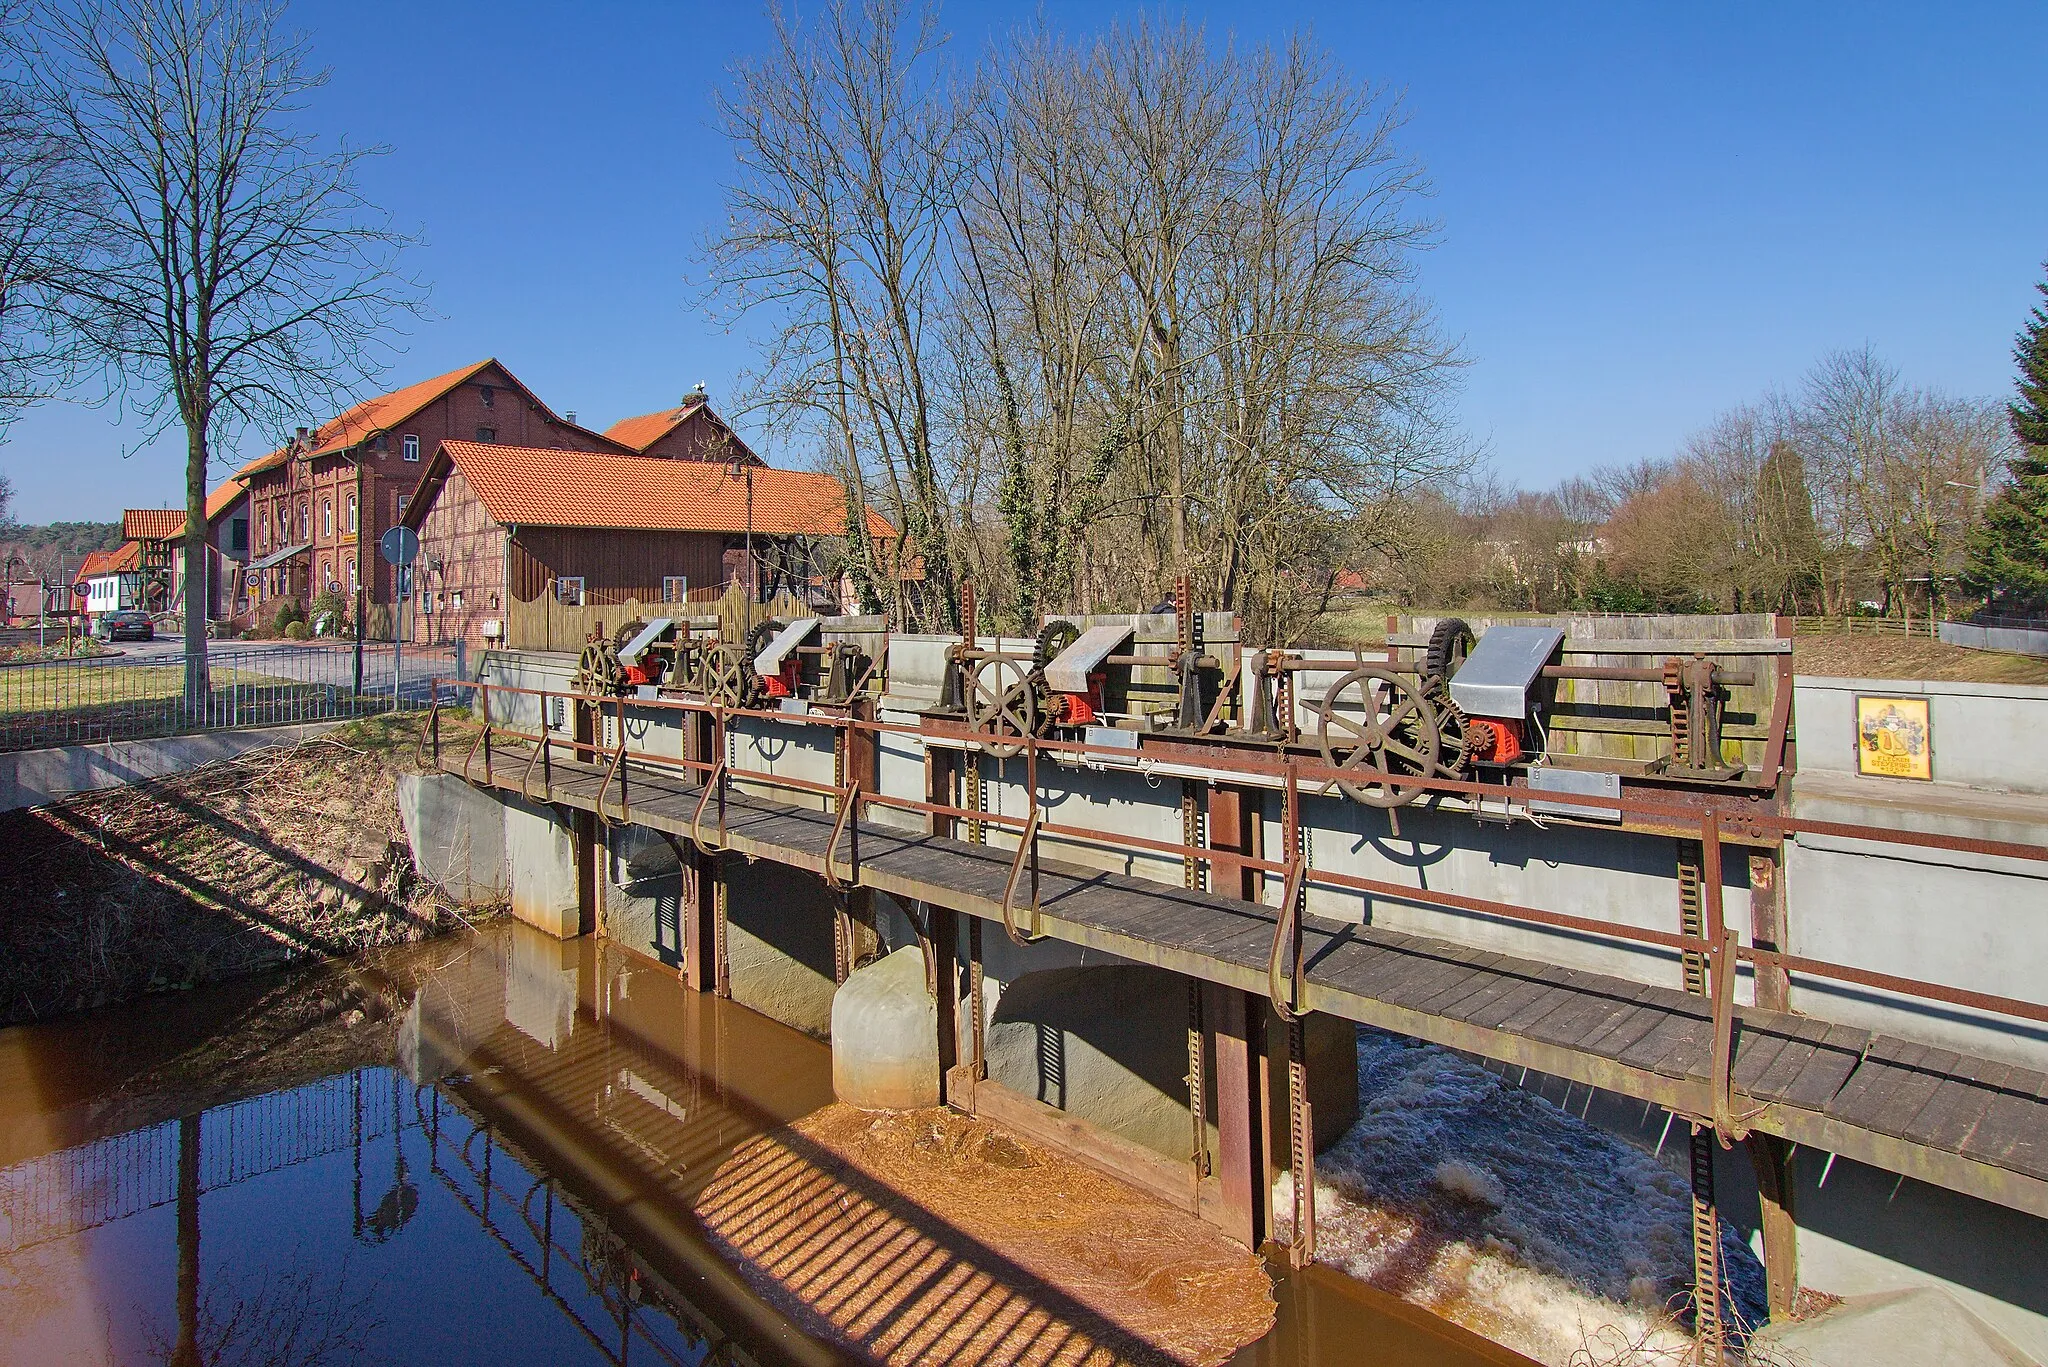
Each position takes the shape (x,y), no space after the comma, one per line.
(143,692)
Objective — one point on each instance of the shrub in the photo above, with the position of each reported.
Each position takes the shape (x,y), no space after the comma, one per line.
(297,631)
(329,612)
(288,612)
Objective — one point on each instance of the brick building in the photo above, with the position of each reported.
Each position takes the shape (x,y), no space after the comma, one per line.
(532,548)
(318,506)
(689,431)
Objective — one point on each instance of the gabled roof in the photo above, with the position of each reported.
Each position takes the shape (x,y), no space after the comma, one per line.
(372,415)
(168,524)
(97,563)
(649,428)
(152,524)
(535,487)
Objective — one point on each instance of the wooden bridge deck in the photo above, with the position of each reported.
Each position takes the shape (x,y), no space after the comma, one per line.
(1962,1122)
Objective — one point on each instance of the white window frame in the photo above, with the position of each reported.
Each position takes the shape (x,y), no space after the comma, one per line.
(351,514)
(675,588)
(569,590)
(327,517)
(410,447)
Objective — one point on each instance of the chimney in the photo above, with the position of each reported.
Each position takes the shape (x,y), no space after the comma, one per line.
(570,417)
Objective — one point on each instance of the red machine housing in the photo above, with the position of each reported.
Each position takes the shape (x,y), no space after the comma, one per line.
(1494,740)
(1078,709)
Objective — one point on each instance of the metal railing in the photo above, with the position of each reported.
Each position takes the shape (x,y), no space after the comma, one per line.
(138,694)
(1712,823)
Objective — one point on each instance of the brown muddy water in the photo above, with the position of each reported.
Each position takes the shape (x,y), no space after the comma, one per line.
(484,1149)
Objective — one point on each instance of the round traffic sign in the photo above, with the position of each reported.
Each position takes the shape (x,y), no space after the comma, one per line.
(400,545)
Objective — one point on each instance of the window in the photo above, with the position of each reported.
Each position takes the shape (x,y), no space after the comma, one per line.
(327,517)
(490,396)
(486,434)
(675,588)
(404,502)
(569,590)
(352,514)
(412,448)
(351,574)
(238,536)
(455,600)
(305,521)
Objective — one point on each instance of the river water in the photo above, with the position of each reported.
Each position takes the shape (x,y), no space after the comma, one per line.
(483,1149)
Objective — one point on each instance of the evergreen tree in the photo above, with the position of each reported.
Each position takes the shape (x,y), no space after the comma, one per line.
(1787,540)
(2009,550)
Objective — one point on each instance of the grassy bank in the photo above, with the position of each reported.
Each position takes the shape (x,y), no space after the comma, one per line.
(239,867)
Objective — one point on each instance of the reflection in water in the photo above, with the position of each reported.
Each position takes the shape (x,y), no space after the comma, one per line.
(406,1206)
(483,1149)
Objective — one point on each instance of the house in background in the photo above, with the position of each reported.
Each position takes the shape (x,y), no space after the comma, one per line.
(160,535)
(689,431)
(318,505)
(113,581)
(531,548)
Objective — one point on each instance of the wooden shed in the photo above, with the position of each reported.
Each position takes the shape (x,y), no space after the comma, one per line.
(532,549)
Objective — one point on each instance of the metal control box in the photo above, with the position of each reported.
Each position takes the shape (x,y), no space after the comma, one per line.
(1496,678)
(1584,782)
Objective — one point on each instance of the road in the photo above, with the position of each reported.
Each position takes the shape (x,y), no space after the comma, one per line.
(309,663)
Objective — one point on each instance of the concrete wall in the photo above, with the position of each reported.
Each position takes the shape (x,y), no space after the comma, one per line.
(30,778)
(2019,640)
(1992,736)
(1963,919)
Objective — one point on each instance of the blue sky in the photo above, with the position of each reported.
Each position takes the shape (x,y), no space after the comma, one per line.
(1650,212)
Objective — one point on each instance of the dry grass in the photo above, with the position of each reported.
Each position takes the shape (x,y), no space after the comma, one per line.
(260,861)
(1890,655)
(1911,657)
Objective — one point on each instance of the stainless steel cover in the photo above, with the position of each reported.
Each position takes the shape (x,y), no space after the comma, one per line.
(1496,678)
(1069,670)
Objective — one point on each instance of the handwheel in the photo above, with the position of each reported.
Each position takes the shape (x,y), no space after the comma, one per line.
(1386,731)
(598,670)
(999,710)
(727,679)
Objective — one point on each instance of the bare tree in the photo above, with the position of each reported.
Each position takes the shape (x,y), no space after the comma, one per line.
(41,233)
(838,231)
(239,278)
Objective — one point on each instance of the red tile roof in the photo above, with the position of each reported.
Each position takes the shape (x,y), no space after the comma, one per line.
(127,557)
(168,524)
(371,415)
(152,524)
(649,428)
(524,484)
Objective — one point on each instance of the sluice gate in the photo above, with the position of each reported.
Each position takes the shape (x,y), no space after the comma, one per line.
(1228,864)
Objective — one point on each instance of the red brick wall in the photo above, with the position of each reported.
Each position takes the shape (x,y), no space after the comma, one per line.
(388,477)
(700,437)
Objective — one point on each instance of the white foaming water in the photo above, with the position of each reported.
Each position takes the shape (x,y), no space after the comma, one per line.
(1498,1210)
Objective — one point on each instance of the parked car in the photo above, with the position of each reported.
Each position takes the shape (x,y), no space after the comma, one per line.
(129,624)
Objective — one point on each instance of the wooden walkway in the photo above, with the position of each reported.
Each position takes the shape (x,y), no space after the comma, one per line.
(1962,1122)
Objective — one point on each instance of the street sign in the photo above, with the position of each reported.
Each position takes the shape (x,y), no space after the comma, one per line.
(400,545)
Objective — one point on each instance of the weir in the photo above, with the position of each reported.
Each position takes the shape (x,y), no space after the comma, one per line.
(1082,906)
